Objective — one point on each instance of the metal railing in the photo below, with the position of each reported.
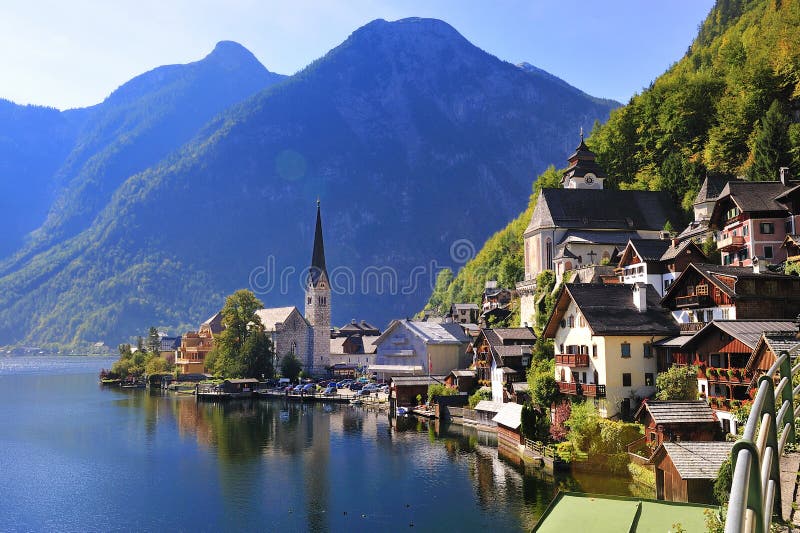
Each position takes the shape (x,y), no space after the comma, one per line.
(755,491)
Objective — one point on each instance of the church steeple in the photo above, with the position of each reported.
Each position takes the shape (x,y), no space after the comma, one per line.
(318,268)
(583,171)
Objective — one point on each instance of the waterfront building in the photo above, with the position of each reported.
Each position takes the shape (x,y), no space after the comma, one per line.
(404,390)
(656,261)
(414,348)
(686,471)
(603,337)
(196,345)
(461,380)
(509,427)
(583,223)
(677,421)
(501,357)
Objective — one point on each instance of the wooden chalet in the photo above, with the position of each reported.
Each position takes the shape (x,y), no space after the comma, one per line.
(769,347)
(656,261)
(403,390)
(686,471)
(461,380)
(791,243)
(705,292)
(484,348)
(677,421)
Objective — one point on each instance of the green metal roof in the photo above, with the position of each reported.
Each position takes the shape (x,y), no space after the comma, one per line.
(573,511)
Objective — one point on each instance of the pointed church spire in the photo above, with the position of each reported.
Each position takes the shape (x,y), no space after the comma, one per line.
(318,256)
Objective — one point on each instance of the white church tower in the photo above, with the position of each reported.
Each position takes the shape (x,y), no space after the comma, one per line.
(318,305)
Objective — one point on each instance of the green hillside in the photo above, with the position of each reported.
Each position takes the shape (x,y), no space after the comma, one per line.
(730,106)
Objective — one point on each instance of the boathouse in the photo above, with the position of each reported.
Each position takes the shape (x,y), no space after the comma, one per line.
(686,471)
(509,426)
(678,421)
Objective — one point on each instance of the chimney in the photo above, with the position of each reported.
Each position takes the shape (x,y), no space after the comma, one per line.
(785,175)
(640,296)
(759,265)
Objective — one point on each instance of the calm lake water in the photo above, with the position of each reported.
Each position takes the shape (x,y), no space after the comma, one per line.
(78,457)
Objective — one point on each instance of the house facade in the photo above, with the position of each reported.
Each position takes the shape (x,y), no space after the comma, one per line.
(705,292)
(677,421)
(657,262)
(196,345)
(415,348)
(686,471)
(501,357)
(603,337)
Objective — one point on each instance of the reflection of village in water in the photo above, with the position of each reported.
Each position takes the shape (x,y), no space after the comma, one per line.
(323,457)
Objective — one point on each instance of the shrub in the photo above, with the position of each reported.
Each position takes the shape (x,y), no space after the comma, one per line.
(439,389)
(480,394)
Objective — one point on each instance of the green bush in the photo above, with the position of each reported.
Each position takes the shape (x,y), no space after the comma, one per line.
(439,389)
(478,396)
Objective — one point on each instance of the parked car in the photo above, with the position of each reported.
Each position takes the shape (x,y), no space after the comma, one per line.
(288,388)
(309,387)
(344,383)
(331,389)
(364,392)
(297,388)
(385,389)
(356,386)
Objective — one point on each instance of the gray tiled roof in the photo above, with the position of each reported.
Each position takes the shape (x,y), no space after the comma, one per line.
(710,189)
(749,331)
(698,460)
(756,195)
(525,334)
(779,341)
(609,309)
(603,209)
(417,380)
(650,249)
(673,251)
(274,315)
(679,412)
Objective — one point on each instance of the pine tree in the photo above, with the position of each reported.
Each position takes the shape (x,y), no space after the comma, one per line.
(771,149)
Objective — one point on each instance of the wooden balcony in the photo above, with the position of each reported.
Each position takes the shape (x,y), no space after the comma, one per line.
(691,327)
(572,360)
(593,391)
(569,388)
(695,300)
(730,244)
(721,375)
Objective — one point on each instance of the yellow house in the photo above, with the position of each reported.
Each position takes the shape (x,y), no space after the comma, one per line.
(195,346)
(603,337)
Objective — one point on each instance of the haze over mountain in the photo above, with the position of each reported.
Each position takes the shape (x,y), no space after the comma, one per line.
(412,137)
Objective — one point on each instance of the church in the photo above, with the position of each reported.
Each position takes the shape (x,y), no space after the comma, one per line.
(583,223)
(307,335)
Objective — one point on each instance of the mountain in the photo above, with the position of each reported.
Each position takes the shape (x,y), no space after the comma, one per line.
(34,142)
(135,127)
(417,142)
(703,116)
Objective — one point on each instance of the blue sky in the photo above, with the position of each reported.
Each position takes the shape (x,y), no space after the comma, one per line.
(74,53)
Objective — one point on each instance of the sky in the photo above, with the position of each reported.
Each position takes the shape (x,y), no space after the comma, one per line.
(74,53)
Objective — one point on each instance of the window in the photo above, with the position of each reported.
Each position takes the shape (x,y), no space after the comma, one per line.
(768,252)
(583,322)
(583,377)
(626,349)
(648,350)
(594,350)
(788,226)
(562,349)
(702,290)
(309,300)
(648,379)
(626,379)
(571,321)
(767,228)
(726,313)
(549,251)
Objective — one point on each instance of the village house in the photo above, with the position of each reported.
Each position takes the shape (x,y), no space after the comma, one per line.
(583,223)
(196,345)
(168,347)
(656,261)
(769,347)
(413,348)
(603,337)
(352,351)
(686,471)
(501,357)
(705,292)
(464,313)
(677,421)
(752,219)
(721,351)
(461,380)
(494,297)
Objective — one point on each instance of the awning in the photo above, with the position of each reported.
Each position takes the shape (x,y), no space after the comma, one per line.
(410,369)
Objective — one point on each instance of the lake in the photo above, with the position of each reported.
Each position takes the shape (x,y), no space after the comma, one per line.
(75,456)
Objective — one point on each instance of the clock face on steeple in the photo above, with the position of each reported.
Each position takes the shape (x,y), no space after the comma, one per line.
(589,178)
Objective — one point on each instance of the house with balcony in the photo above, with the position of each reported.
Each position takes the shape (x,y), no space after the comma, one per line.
(721,351)
(415,348)
(196,345)
(752,219)
(603,337)
(464,313)
(705,292)
(501,357)
(657,262)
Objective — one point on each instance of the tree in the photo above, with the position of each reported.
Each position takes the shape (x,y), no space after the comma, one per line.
(722,485)
(153,341)
(439,389)
(156,365)
(290,366)
(771,148)
(229,358)
(535,422)
(544,390)
(677,383)
(257,355)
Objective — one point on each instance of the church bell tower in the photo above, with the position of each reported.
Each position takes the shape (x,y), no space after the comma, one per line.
(318,304)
